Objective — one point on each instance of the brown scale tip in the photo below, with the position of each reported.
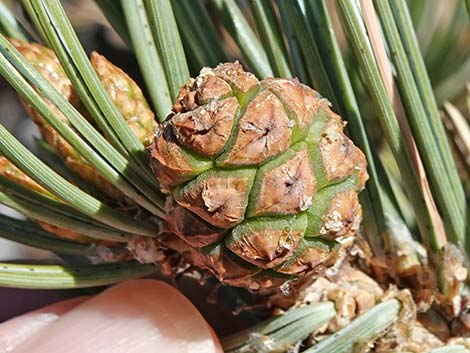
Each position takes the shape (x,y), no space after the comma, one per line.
(343,217)
(265,131)
(340,156)
(236,77)
(303,101)
(223,266)
(219,199)
(313,259)
(206,129)
(171,164)
(267,248)
(189,227)
(288,188)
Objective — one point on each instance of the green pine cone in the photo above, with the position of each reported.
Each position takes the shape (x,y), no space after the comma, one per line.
(262,181)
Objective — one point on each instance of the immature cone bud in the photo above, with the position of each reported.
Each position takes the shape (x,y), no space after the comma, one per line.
(45,61)
(124,92)
(127,97)
(260,176)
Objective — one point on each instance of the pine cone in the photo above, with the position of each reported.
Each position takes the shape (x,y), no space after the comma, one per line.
(260,177)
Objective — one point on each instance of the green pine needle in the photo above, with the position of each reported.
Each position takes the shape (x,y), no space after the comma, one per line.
(42,214)
(112,10)
(271,38)
(427,126)
(238,27)
(168,41)
(149,61)
(366,327)
(30,234)
(201,42)
(119,168)
(298,18)
(281,332)
(66,277)
(359,42)
(51,17)
(9,24)
(64,190)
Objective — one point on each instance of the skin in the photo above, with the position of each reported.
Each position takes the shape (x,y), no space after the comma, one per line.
(136,316)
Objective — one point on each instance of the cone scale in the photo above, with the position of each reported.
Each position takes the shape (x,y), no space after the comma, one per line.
(262,182)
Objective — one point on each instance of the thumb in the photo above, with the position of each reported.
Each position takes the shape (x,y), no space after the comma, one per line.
(137,316)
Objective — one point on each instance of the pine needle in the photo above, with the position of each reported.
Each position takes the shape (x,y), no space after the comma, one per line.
(64,190)
(168,41)
(271,38)
(427,127)
(66,277)
(244,36)
(366,327)
(431,232)
(150,62)
(30,234)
